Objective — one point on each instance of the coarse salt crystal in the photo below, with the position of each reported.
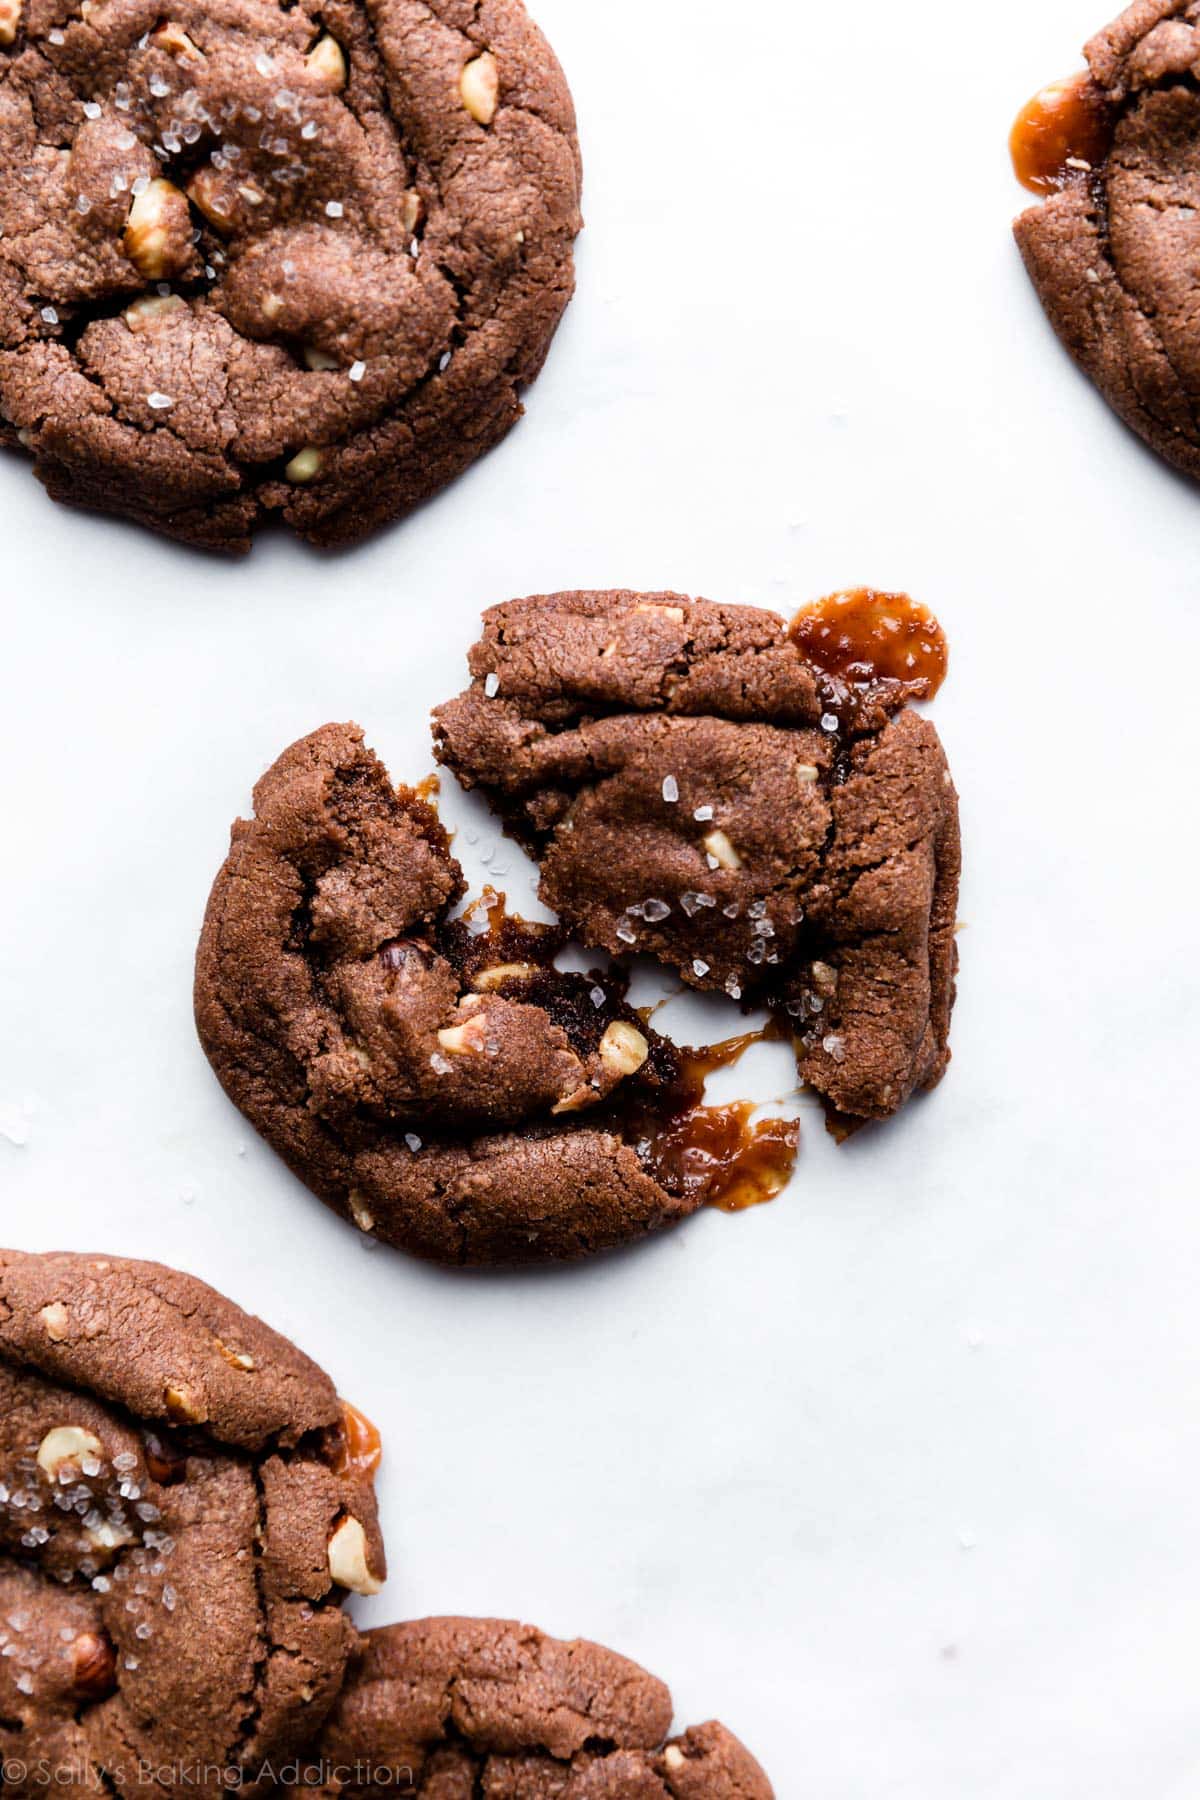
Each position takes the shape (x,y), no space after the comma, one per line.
(159,402)
(491,686)
(670,790)
(703,814)
(334,209)
(829,722)
(91,109)
(598,997)
(357,370)
(699,966)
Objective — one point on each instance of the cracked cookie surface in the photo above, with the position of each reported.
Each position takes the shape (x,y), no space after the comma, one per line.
(178,1485)
(451,1708)
(435,1080)
(678,770)
(259,260)
(1112,254)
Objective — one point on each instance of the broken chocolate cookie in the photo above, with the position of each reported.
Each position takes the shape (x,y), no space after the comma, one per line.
(449,1708)
(755,807)
(435,1079)
(184,1502)
(262,260)
(1112,250)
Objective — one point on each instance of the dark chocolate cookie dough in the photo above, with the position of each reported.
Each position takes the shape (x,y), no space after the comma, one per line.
(1113,253)
(261,259)
(680,772)
(435,1080)
(183,1503)
(454,1708)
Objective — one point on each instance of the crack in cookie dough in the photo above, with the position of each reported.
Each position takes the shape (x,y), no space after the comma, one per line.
(697,790)
(263,260)
(436,1080)
(1112,254)
(172,1478)
(454,1708)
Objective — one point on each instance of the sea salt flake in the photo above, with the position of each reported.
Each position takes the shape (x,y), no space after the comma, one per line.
(653,911)
(491,686)
(49,315)
(829,722)
(699,966)
(598,997)
(92,109)
(159,402)
(357,370)
(670,790)
(703,814)
(334,209)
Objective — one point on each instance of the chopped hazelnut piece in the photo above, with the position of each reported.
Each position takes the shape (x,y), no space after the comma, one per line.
(150,307)
(479,86)
(360,1212)
(66,1444)
(348,1558)
(56,1320)
(175,40)
(718,846)
(184,1405)
(326,63)
(305,465)
(93,1667)
(207,194)
(501,972)
(158,234)
(623,1049)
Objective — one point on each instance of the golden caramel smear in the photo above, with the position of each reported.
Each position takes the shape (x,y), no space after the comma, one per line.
(429,789)
(864,636)
(1063,134)
(361,1445)
(737,1163)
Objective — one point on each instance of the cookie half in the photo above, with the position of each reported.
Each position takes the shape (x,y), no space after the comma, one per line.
(453,1708)
(268,261)
(1112,251)
(184,1502)
(435,1080)
(695,788)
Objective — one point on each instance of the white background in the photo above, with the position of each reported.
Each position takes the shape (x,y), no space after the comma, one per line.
(897,1475)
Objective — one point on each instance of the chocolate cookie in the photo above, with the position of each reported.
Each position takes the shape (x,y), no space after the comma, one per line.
(451,1708)
(1113,250)
(696,788)
(436,1080)
(183,1501)
(259,259)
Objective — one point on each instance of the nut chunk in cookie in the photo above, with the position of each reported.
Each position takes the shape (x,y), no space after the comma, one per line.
(183,1503)
(453,1707)
(435,1080)
(1112,250)
(263,260)
(752,805)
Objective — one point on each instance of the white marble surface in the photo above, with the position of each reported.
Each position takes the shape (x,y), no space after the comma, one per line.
(898,1474)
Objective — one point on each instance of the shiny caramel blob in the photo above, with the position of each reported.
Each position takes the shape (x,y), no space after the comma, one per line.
(867,639)
(1061,135)
(361,1448)
(718,1149)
